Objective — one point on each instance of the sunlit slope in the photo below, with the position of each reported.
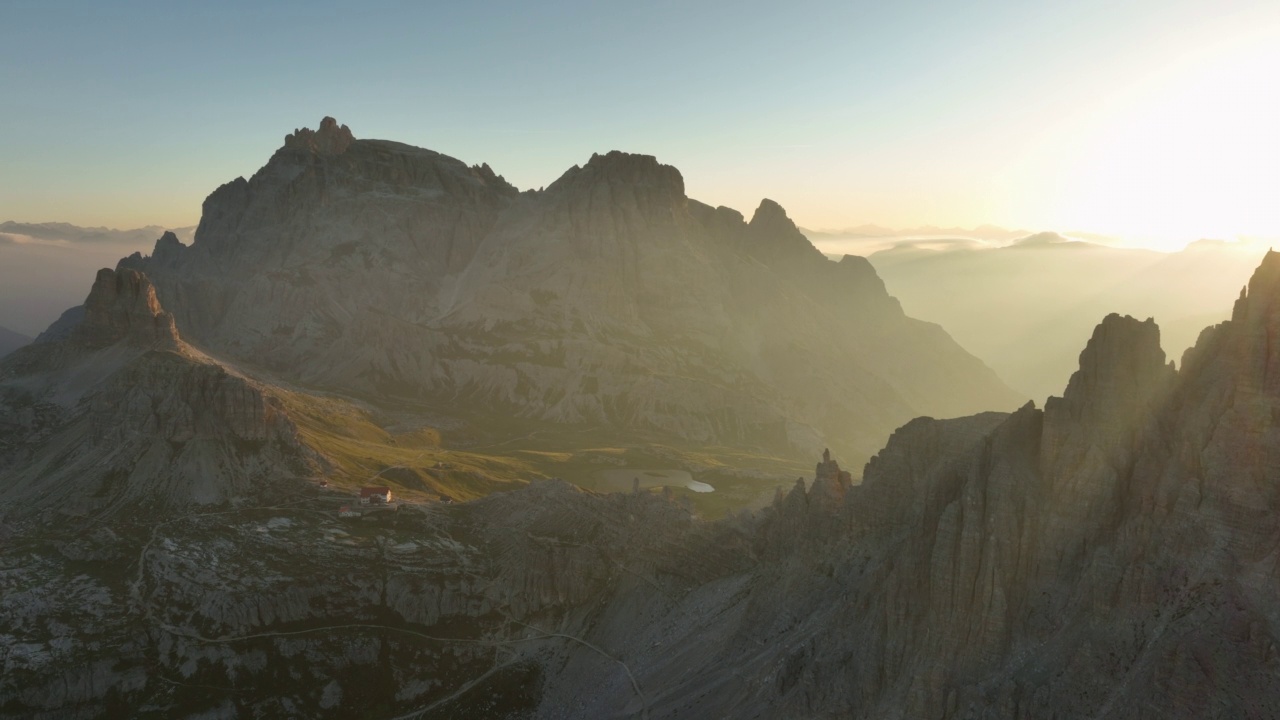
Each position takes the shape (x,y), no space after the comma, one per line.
(424,463)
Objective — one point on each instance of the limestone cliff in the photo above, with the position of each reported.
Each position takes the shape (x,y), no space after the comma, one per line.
(610,298)
(117,412)
(1110,556)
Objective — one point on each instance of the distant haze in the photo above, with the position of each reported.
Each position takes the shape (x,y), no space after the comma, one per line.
(46,268)
(10,341)
(1026,307)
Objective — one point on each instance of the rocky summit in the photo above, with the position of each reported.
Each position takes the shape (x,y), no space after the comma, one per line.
(610,298)
(1110,556)
(114,412)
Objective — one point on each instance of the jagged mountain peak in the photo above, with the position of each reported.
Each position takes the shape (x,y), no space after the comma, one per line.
(375,269)
(330,139)
(493,179)
(1121,368)
(774,236)
(168,247)
(1241,351)
(119,412)
(621,168)
(769,214)
(1258,298)
(168,239)
(122,306)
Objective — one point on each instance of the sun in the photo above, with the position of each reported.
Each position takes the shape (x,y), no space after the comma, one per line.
(1189,151)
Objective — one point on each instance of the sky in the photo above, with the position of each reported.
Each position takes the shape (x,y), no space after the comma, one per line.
(1153,121)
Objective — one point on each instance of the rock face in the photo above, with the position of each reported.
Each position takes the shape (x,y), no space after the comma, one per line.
(122,307)
(114,412)
(46,268)
(1120,370)
(330,139)
(609,298)
(1108,557)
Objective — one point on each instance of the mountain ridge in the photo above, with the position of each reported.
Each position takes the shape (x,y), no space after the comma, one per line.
(1062,289)
(70,233)
(609,297)
(116,409)
(1111,554)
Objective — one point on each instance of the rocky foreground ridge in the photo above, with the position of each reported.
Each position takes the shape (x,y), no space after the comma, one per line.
(608,299)
(1110,556)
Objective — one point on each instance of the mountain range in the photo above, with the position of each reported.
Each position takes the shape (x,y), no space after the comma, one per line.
(1112,555)
(610,299)
(870,231)
(12,232)
(10,341)
(1023,307)
(180,533)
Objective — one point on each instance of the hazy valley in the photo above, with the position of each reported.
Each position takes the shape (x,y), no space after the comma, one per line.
(1025,304)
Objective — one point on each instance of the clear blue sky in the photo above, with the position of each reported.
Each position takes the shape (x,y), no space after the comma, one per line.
(129,113)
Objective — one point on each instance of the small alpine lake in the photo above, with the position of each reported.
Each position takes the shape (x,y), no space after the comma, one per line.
(624,479)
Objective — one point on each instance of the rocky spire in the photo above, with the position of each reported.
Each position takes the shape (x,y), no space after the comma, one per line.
(122,306)
(770,217)
(625,169)
(1121,369)
(830,483)
(330,139)
(1090,433)
(1243,351)
(829,470)
(773,236)
(492,179)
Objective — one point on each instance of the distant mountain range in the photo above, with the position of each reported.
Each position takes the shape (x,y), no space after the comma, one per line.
(60,232)
(982,232)
(1023,306)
